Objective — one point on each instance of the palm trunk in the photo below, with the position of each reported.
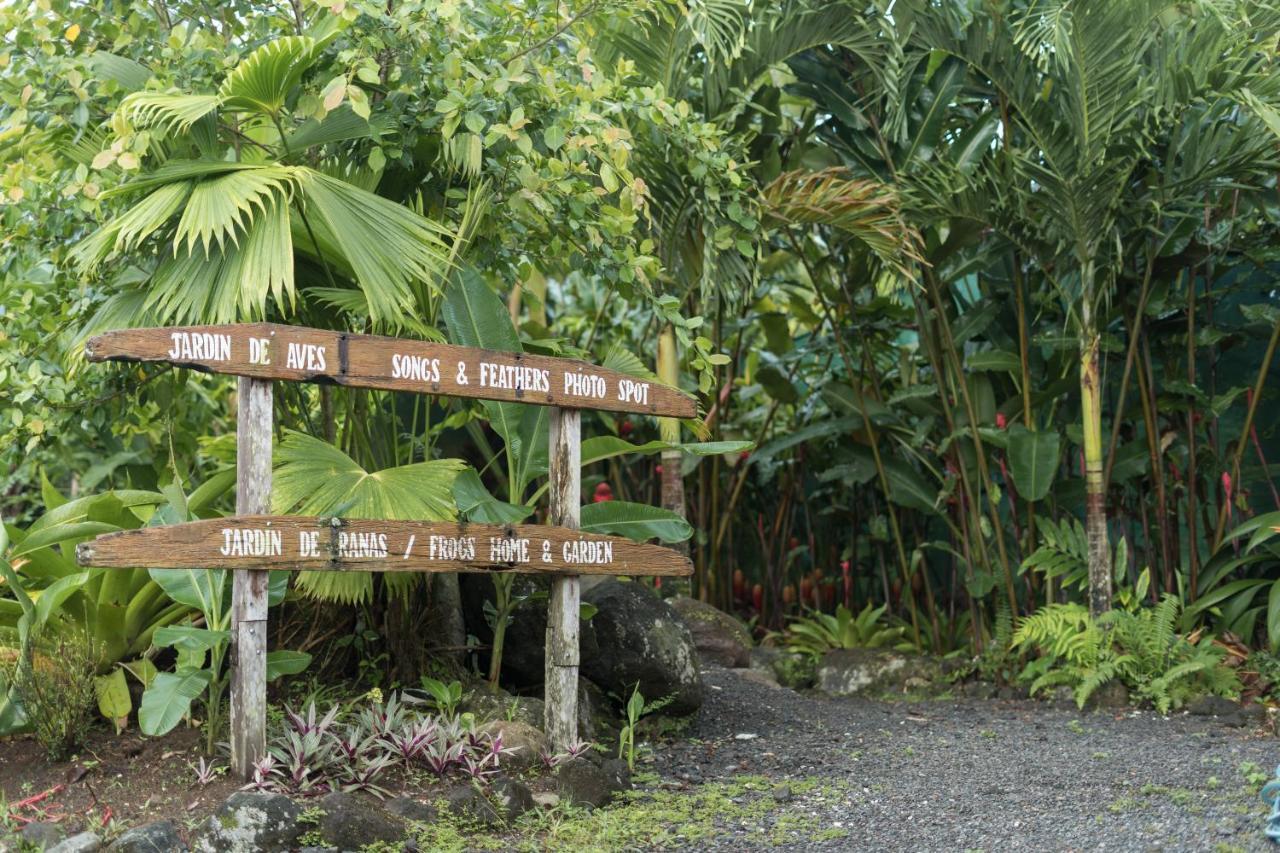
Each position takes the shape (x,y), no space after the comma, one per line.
(669,431)
(1094,485)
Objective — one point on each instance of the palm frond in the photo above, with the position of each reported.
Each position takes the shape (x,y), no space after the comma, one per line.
(221,208)
(386,245)
(263,79)
(173,111)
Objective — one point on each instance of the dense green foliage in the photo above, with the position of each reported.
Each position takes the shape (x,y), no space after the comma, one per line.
(975,296)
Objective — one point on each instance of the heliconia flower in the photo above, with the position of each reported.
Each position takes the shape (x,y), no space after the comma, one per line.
(1001,420)
(657,469)
(603,493)
(624,429)
(1226,485)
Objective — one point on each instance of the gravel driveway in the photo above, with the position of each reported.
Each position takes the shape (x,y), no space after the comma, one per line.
(964,774)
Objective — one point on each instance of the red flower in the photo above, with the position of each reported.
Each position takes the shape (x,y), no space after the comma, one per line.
(1001,420)
(1226,485)
(624,429)
(603,493)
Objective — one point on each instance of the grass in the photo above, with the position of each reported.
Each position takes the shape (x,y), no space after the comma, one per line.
(653,819)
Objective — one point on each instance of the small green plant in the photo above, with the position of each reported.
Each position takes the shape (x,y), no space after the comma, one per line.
(1139,648)
(1253,774)
(819,633)
(635,709)
(1075,727)
(445,697)
(54,682)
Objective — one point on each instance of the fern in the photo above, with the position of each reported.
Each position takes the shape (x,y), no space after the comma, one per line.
(1139,648)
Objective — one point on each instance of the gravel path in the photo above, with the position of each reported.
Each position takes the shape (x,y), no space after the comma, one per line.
(965,774)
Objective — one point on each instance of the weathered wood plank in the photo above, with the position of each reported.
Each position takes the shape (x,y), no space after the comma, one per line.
(249,586)
(306,543)
(274,351)
(561,667)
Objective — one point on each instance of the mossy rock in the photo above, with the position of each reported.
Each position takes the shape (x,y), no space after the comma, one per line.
(719,637)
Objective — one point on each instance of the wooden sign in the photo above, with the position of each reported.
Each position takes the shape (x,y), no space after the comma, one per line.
(273,351)
(305,543)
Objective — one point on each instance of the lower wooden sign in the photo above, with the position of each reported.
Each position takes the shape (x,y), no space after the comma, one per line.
(305,543)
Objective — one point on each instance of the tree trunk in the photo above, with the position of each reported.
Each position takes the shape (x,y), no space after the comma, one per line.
(669,430)
(1095,488)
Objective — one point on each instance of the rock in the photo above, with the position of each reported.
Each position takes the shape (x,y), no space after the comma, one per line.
(84,842)
(1111,696)
(490,703)
(159,837)
(41,835)
(349,822)
(466,801)
(524,644)
(782,794)
(597,718)
(719,638)
(526,743)
(249,821)
(848,672)
(792,670)
(512,797)
(584,783)
(980,690)
(1253,712)
(1212,706)
(635,637)
(546,799)
(412,810)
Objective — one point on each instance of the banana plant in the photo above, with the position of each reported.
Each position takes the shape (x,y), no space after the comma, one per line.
(475,316)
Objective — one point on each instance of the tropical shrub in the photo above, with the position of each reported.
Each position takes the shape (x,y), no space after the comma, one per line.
(1139,648)
(819,633)
(54,685)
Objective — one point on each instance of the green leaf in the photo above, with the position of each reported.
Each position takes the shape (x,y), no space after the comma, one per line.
(188,639)
(199,588)
(312,477)
(282,662)
(114,701)
(1273,618)
(169,699)
(639,522)
(387,246)
(716,448)
(476,504)
(1033,461)
(907,487)
(993,360)
(263,80)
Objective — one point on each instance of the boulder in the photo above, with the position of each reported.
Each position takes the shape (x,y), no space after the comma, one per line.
(848,672)
(159,837)
(412,810)
(526,743)
(719,638)
(470,803)
(493,703)
(512,797)
(248,821)
(349,822)
(83,842)
(583,782)
(40,835)
(635,637)
(522,650)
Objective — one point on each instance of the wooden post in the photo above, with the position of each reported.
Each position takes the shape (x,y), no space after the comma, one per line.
(249,587)
(565,460)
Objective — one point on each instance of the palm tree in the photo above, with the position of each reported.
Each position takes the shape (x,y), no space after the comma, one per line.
(1089,90)
(237,194)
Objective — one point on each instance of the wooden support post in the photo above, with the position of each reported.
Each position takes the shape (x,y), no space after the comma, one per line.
(249,588)
(565,460)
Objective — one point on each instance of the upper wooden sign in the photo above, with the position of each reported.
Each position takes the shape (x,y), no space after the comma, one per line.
(306,543)
(274,351)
